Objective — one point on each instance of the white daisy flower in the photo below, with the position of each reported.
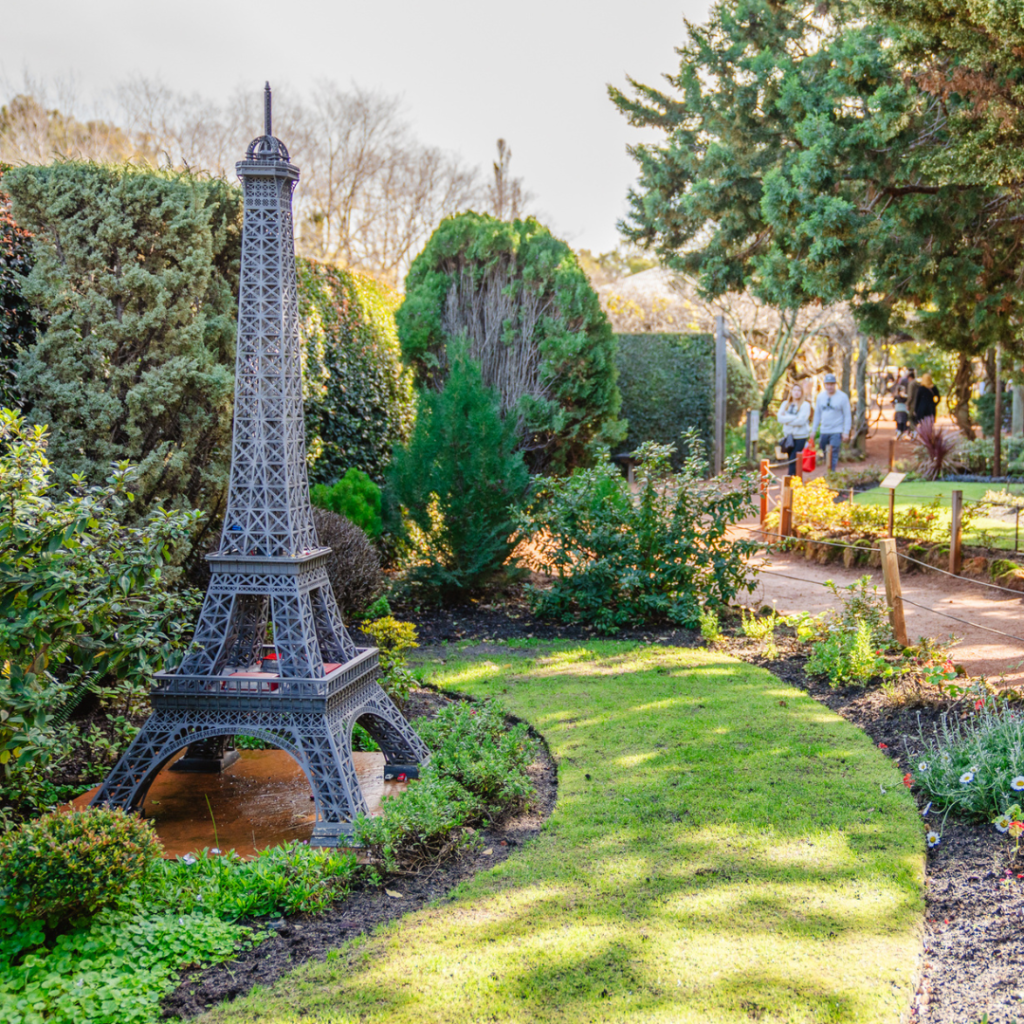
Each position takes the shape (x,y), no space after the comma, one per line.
(1002,823)
(1017,783)
(966,778)
(923,766)
(933,839)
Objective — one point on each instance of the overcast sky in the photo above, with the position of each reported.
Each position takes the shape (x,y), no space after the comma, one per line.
(533,73)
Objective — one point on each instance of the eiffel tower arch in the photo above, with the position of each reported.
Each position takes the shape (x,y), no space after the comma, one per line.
(271,657)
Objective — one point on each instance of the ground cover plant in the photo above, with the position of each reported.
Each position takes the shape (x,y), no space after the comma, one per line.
(722,848)
(616,561)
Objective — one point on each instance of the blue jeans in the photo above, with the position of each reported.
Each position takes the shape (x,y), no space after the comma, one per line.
(835,440)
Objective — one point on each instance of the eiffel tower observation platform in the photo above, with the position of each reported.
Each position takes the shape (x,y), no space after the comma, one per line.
(271,657)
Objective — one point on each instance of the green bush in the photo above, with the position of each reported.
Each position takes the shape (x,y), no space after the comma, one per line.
(354,566)
(393,639)
(662,557)
(356,497)
(477,772)
(135,276)
(69,864)
(451,487)
(358,394)
(975,765)
(533,323)
(83,605)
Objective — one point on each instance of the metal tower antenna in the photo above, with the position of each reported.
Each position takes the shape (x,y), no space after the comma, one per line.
(303,687)
(267,127)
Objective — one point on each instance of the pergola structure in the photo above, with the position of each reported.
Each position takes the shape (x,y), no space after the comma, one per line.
(271,656)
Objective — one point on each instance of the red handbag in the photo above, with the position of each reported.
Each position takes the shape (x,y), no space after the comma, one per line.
(809,459)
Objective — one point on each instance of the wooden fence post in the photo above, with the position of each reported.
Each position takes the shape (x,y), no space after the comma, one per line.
(893,590)
(786,508)
(828,459)
(764,491)
(892,509)
(956,533)
(892,455)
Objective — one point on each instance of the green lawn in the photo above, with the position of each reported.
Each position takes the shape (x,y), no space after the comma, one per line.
(723,849)
(986,531)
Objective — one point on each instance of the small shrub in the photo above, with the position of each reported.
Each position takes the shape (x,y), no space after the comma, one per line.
(477,772)
(452,486)
(354,571)
(664,557)
(763,628)
(356,497)
(68,864)
(937,451)
(710,629)
(393,639)
(975,765)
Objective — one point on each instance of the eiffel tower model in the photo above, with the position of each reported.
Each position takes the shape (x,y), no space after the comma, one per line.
(302,684)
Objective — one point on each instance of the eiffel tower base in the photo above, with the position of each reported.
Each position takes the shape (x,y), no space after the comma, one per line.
(208,757)
(317,733)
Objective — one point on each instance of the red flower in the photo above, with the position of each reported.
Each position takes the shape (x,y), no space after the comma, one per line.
(883,746)
(979,704)
(908,780)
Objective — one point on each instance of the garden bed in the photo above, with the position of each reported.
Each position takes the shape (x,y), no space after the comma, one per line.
(303,937)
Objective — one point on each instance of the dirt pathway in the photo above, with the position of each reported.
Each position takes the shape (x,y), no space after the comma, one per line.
(981,652)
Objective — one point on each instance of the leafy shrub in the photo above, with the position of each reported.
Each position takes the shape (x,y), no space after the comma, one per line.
(937,451)
(617,561)
(710,628)
(291,879)
(477,772)
(533,323)
(115,969)
(358,394)
(135,275)
(67,864)
(354,570)
(849,643)
(971,765)
(83,605)
(451,486)
(356,497)
(393,639)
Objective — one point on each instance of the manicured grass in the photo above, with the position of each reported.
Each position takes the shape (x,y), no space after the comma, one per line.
(723,849)
(994,533)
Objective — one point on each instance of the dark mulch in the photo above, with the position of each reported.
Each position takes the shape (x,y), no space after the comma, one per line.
(973,944)
(306,937)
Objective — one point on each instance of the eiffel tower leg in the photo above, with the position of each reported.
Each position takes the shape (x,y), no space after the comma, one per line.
(402,748)
(339,798)
(163,735)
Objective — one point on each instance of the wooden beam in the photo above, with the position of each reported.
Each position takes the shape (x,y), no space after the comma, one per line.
(893,589)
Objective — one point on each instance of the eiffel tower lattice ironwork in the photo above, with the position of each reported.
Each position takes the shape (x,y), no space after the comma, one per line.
(270,567)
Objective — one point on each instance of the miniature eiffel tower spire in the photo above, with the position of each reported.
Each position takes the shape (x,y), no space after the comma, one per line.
(270,566)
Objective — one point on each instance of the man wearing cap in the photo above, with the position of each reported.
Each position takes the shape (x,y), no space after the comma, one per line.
(833,417)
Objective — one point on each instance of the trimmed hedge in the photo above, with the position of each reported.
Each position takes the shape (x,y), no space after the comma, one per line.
(667,382)
(358,393)
(17,325)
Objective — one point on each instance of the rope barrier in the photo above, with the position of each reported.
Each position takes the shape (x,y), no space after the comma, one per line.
(977,583)
(966,622)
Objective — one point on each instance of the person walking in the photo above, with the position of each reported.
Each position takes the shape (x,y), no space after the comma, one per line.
(926,399)
(833,417)
(900,405)
(795,417)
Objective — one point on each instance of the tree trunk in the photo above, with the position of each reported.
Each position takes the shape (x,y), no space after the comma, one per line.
(959,397)
(860,425)
(847,360)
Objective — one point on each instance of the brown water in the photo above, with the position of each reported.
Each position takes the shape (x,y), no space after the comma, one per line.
(262,800)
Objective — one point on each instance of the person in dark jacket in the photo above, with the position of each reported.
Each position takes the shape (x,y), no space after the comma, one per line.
(926,399)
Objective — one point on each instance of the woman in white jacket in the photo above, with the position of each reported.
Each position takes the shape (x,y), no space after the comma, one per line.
(795,417)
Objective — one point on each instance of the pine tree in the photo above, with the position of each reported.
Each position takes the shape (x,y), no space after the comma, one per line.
(455,483)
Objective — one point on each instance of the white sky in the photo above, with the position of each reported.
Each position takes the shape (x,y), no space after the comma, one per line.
(533,73)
